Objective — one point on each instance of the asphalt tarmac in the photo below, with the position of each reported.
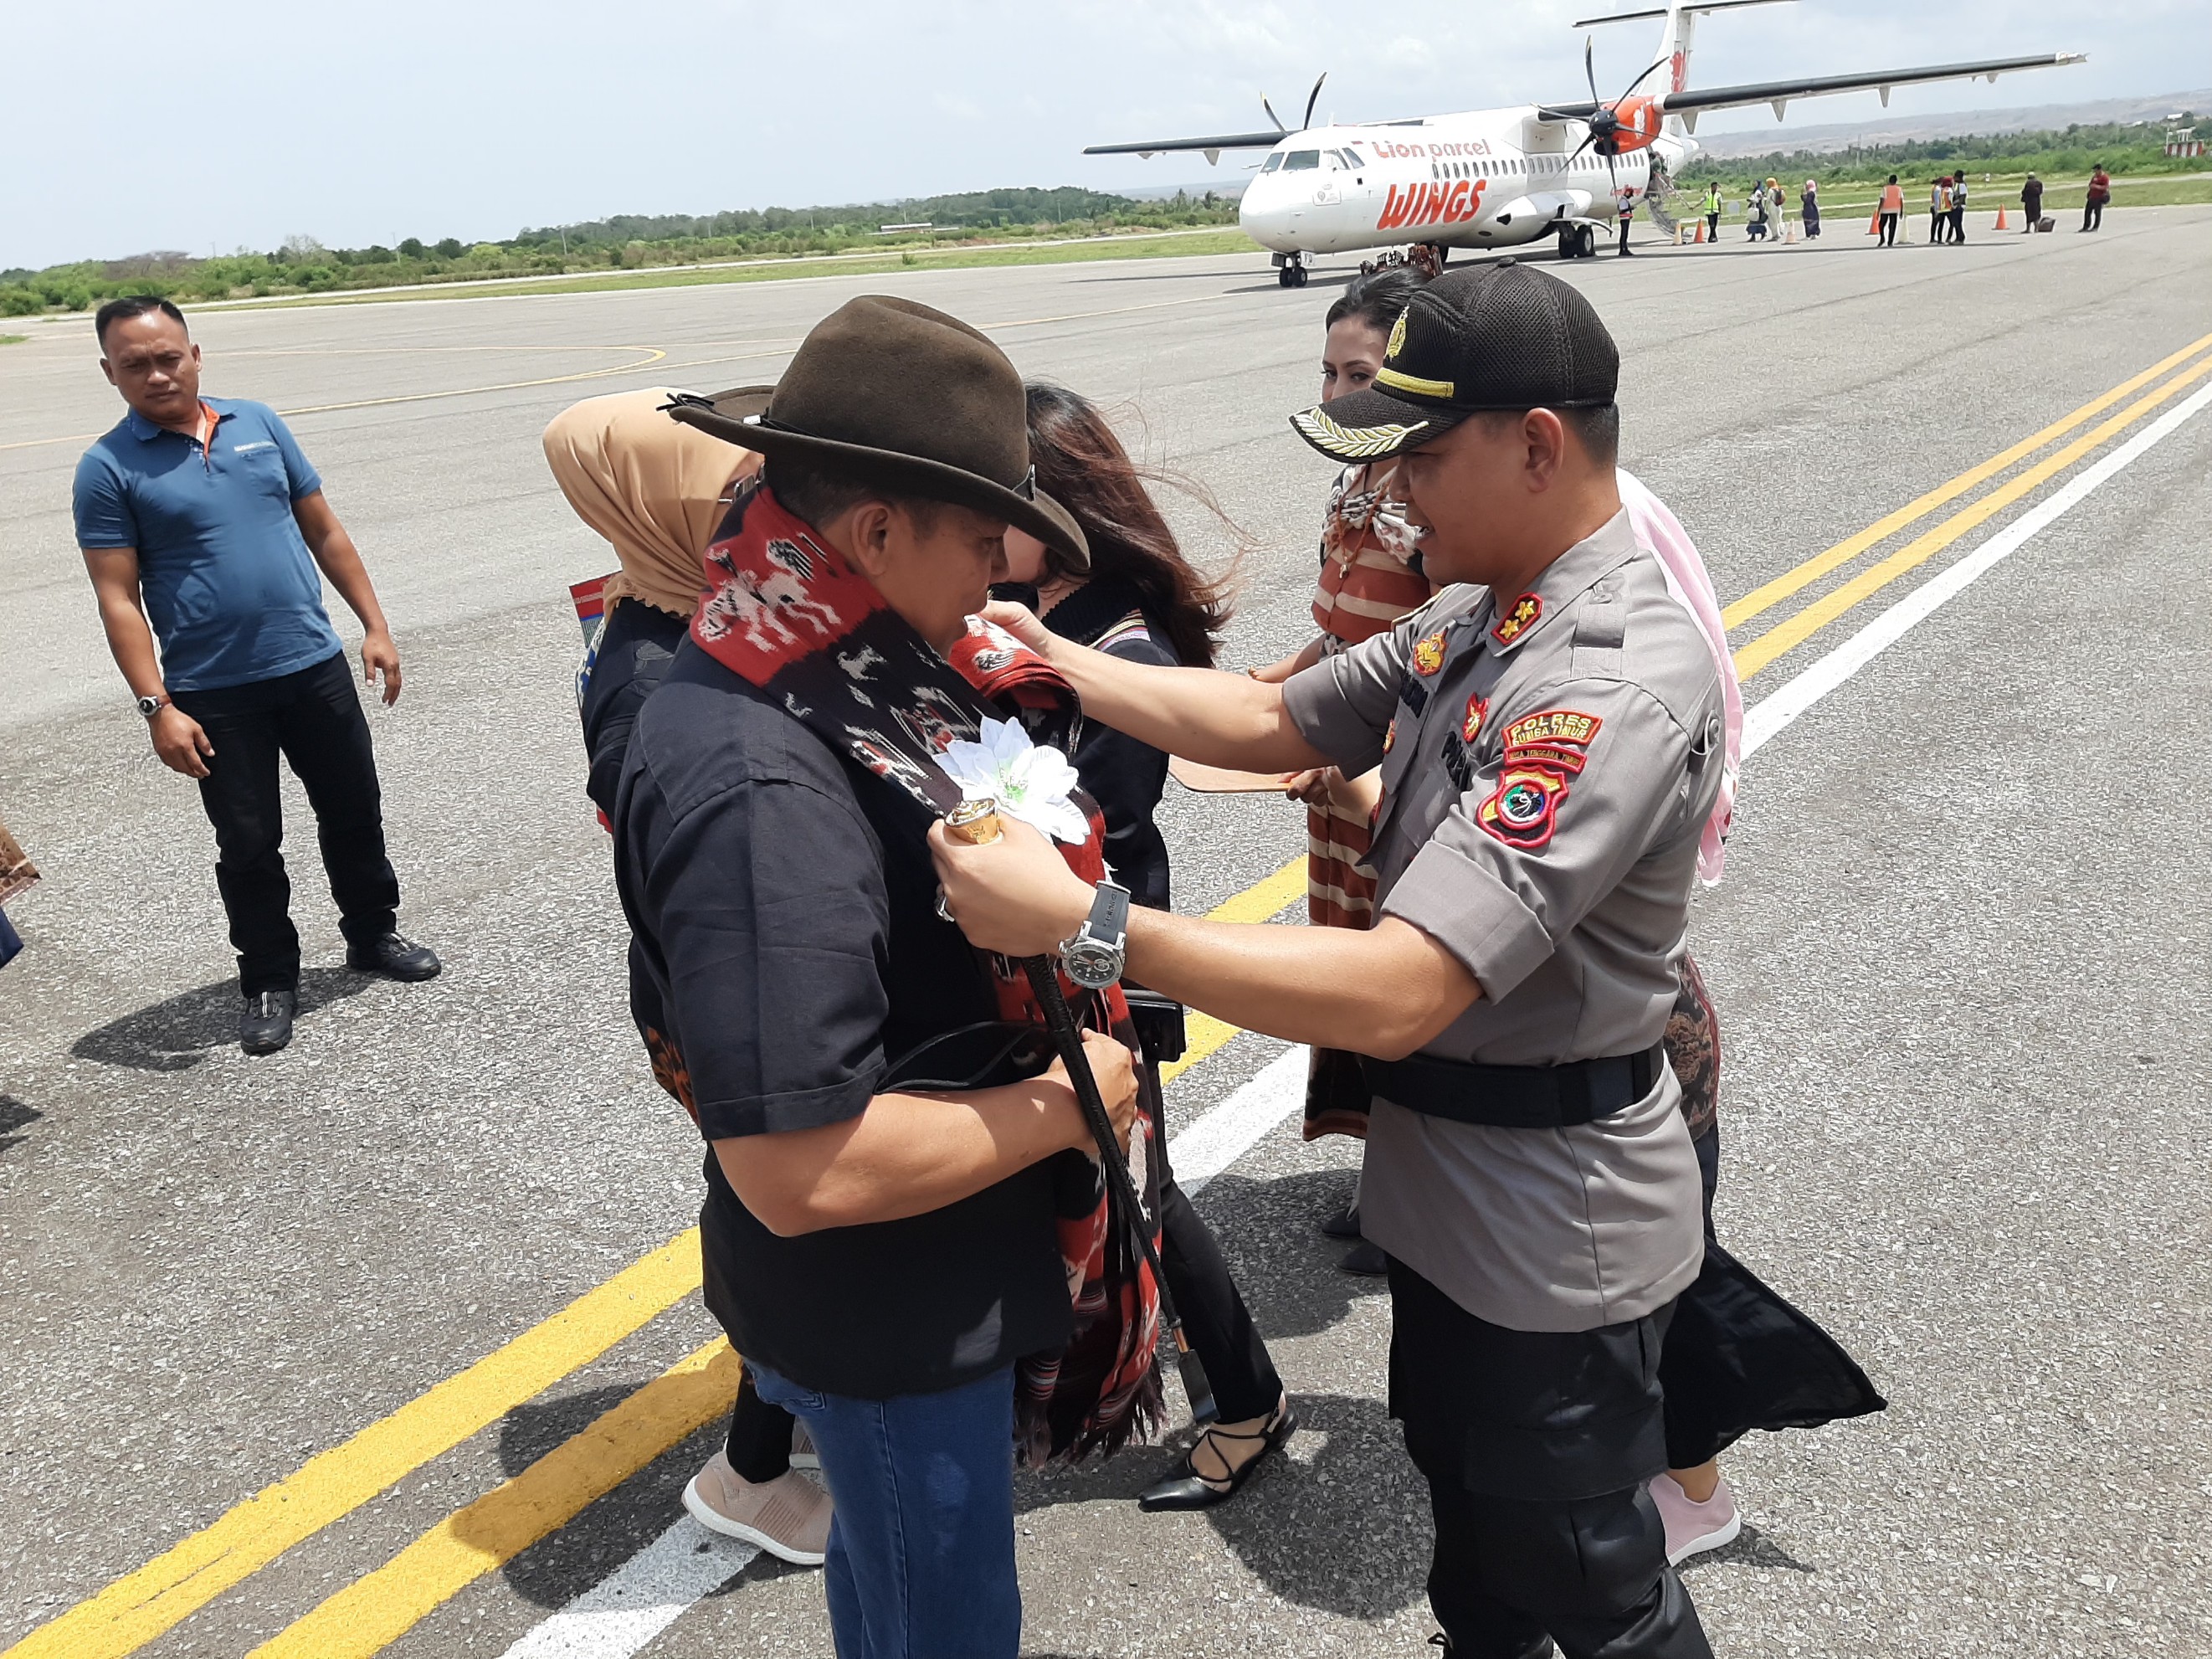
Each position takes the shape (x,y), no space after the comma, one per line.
(1963,958)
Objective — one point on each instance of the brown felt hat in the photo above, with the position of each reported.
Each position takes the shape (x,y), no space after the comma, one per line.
(908,398)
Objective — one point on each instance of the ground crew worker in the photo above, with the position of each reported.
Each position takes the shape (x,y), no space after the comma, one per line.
(1891,212)
(1713,212)
(1549,761)
(1627,205)
(1959,207)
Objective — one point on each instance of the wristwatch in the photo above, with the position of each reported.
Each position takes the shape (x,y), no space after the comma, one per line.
(150,707)
(1095,955)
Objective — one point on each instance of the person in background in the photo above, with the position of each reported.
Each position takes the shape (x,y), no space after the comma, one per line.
(202,522)
(1624,205)
(1809,208)
(18,875)
(1713,211)
(2092,204)
(1959,208)
(2031,202)
(657,492)
(1777,207)
(1140,600)
(1370,576)
(1939,211)
(1892,211)
(1754,214)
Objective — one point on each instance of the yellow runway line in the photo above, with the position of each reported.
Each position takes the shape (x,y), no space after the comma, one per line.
(1203,1035)
(374,1611)
(1768,646)
(139,1606)
(1764,598)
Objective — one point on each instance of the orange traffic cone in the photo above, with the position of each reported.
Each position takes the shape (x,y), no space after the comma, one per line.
(1701,231)
(2001,224)
(1873,225)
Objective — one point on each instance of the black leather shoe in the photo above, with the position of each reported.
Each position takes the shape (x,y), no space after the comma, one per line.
(266,1024)
(394,956)
(1187,1491)
(1366,1260)
(1345,1224)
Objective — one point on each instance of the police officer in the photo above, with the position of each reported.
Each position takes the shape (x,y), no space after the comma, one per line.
(1548,728)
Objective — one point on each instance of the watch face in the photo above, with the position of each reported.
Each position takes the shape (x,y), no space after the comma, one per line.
(1091,965)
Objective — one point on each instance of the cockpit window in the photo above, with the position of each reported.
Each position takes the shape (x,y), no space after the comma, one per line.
(1273,161)
(1299,159)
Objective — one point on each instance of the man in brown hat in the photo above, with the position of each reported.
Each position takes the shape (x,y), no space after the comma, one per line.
(1549,730)
(885,1178)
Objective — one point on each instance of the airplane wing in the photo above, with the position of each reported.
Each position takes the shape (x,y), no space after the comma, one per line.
(1225,140)
(1781,94)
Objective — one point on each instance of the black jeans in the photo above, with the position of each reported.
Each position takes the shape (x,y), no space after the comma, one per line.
(1536,1447)
(1888,230)
(313,720)
(1958,224)
(2093,215)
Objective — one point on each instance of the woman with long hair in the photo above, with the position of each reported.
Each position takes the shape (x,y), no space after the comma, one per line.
(1142,599)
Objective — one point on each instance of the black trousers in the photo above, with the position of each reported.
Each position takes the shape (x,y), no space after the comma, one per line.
(1888,230)
(1215,1318)
(1712,227)
(313,718)
(1536,1447)
(2093,215)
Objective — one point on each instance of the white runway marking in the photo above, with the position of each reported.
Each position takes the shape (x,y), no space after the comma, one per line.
(622,1612)
(1771,715)
(640,1598)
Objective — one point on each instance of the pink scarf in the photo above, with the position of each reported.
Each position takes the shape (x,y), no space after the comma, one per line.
(1661,533)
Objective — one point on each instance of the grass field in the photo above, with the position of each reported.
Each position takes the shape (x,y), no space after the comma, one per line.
(1014,254)
(13,339)
(2060,196)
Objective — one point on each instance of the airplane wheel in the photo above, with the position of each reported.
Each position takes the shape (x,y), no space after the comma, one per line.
(1585,242)
(1300,277)
(1284,276)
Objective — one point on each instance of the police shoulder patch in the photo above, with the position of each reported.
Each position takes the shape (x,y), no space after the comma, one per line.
(1553,726)
(1523,810)
(1429,654)
(1470,725)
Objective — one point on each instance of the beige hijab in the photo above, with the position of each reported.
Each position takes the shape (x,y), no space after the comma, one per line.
(655,490)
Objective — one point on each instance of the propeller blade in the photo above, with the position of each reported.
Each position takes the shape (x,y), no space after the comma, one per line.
(1589,70)
(1588,140)
(1314,97)
(1271,116)
(1612,173)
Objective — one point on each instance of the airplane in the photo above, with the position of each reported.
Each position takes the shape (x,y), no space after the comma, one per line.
(1503,178)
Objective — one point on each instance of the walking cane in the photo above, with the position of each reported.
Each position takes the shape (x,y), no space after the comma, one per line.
(977,822)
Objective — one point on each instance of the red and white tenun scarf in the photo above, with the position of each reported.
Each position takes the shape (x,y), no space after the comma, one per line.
(786,612)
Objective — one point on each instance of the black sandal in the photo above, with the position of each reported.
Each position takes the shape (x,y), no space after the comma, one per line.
(1191,1490)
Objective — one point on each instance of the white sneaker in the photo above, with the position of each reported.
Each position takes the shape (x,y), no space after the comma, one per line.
(803,1454)
(787,1517)
(1693,1528)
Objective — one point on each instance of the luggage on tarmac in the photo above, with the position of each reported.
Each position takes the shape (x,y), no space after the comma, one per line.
(2047,224)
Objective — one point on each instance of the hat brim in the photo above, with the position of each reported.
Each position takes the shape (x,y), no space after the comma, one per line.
(1373,426)
(734,416)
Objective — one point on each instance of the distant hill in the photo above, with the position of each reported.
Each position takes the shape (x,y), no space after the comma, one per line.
(1908,129)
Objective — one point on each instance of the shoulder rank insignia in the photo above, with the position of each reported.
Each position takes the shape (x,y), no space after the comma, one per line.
(1517,622)
(1471,726)
(1543,752)
(1429,654)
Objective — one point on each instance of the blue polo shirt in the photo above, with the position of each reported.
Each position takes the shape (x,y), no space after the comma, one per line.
(229,584)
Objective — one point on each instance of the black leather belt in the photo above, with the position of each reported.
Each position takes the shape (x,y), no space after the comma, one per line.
(1516,1097)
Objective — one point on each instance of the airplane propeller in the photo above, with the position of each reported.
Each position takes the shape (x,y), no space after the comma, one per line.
(1604,121)
(1312,98)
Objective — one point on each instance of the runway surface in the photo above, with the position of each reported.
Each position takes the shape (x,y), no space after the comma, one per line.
(1961,959)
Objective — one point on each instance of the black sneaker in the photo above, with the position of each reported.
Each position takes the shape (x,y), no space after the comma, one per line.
(1366,1260)
(266,1024)
(394,956)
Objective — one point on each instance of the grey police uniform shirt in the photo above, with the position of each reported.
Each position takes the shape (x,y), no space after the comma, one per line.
(1546,775)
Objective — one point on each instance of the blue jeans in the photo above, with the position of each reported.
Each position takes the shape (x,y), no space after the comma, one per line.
(921,1552)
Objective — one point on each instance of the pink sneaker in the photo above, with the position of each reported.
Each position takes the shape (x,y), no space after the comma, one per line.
(1692,1528)
(787,1517)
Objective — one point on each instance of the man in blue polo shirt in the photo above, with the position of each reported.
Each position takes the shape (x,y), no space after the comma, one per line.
(203,516)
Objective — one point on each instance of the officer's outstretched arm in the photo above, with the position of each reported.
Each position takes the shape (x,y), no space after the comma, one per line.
(1384,992)
(1215,718)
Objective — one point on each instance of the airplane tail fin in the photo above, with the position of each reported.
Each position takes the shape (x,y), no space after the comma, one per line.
(1681,24)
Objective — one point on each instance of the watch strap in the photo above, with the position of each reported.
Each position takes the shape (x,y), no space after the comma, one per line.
(1109,920)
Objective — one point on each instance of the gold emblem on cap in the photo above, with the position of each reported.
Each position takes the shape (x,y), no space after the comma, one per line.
(1350,443)
(1414,384)
(1397,335)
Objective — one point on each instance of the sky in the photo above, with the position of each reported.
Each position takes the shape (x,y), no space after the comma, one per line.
(245,123)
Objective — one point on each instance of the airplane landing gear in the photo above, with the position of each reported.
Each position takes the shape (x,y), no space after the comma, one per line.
(1291,270)
(1577,242)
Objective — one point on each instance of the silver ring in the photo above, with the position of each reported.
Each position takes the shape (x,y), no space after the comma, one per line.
(941,909)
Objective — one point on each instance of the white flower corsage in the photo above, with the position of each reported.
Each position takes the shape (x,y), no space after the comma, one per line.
(1029,783)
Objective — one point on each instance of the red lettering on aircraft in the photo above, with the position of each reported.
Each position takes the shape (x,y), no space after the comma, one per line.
(1431,204)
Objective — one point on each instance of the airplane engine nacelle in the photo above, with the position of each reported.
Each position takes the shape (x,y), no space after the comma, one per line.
(1638,122)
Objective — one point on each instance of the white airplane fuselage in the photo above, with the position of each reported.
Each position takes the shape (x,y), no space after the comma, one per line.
(1485,178)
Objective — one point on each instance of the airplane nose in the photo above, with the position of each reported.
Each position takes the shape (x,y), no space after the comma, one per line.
(1264,214)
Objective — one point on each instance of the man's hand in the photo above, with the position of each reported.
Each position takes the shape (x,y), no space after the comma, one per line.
(1116,1070)
(378,655)
(180,742)
(1015,896)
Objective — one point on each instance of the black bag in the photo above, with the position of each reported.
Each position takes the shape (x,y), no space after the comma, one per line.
(1738,1357)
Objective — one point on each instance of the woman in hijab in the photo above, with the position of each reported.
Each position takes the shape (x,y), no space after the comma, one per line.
(658,491)
(1809,208)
